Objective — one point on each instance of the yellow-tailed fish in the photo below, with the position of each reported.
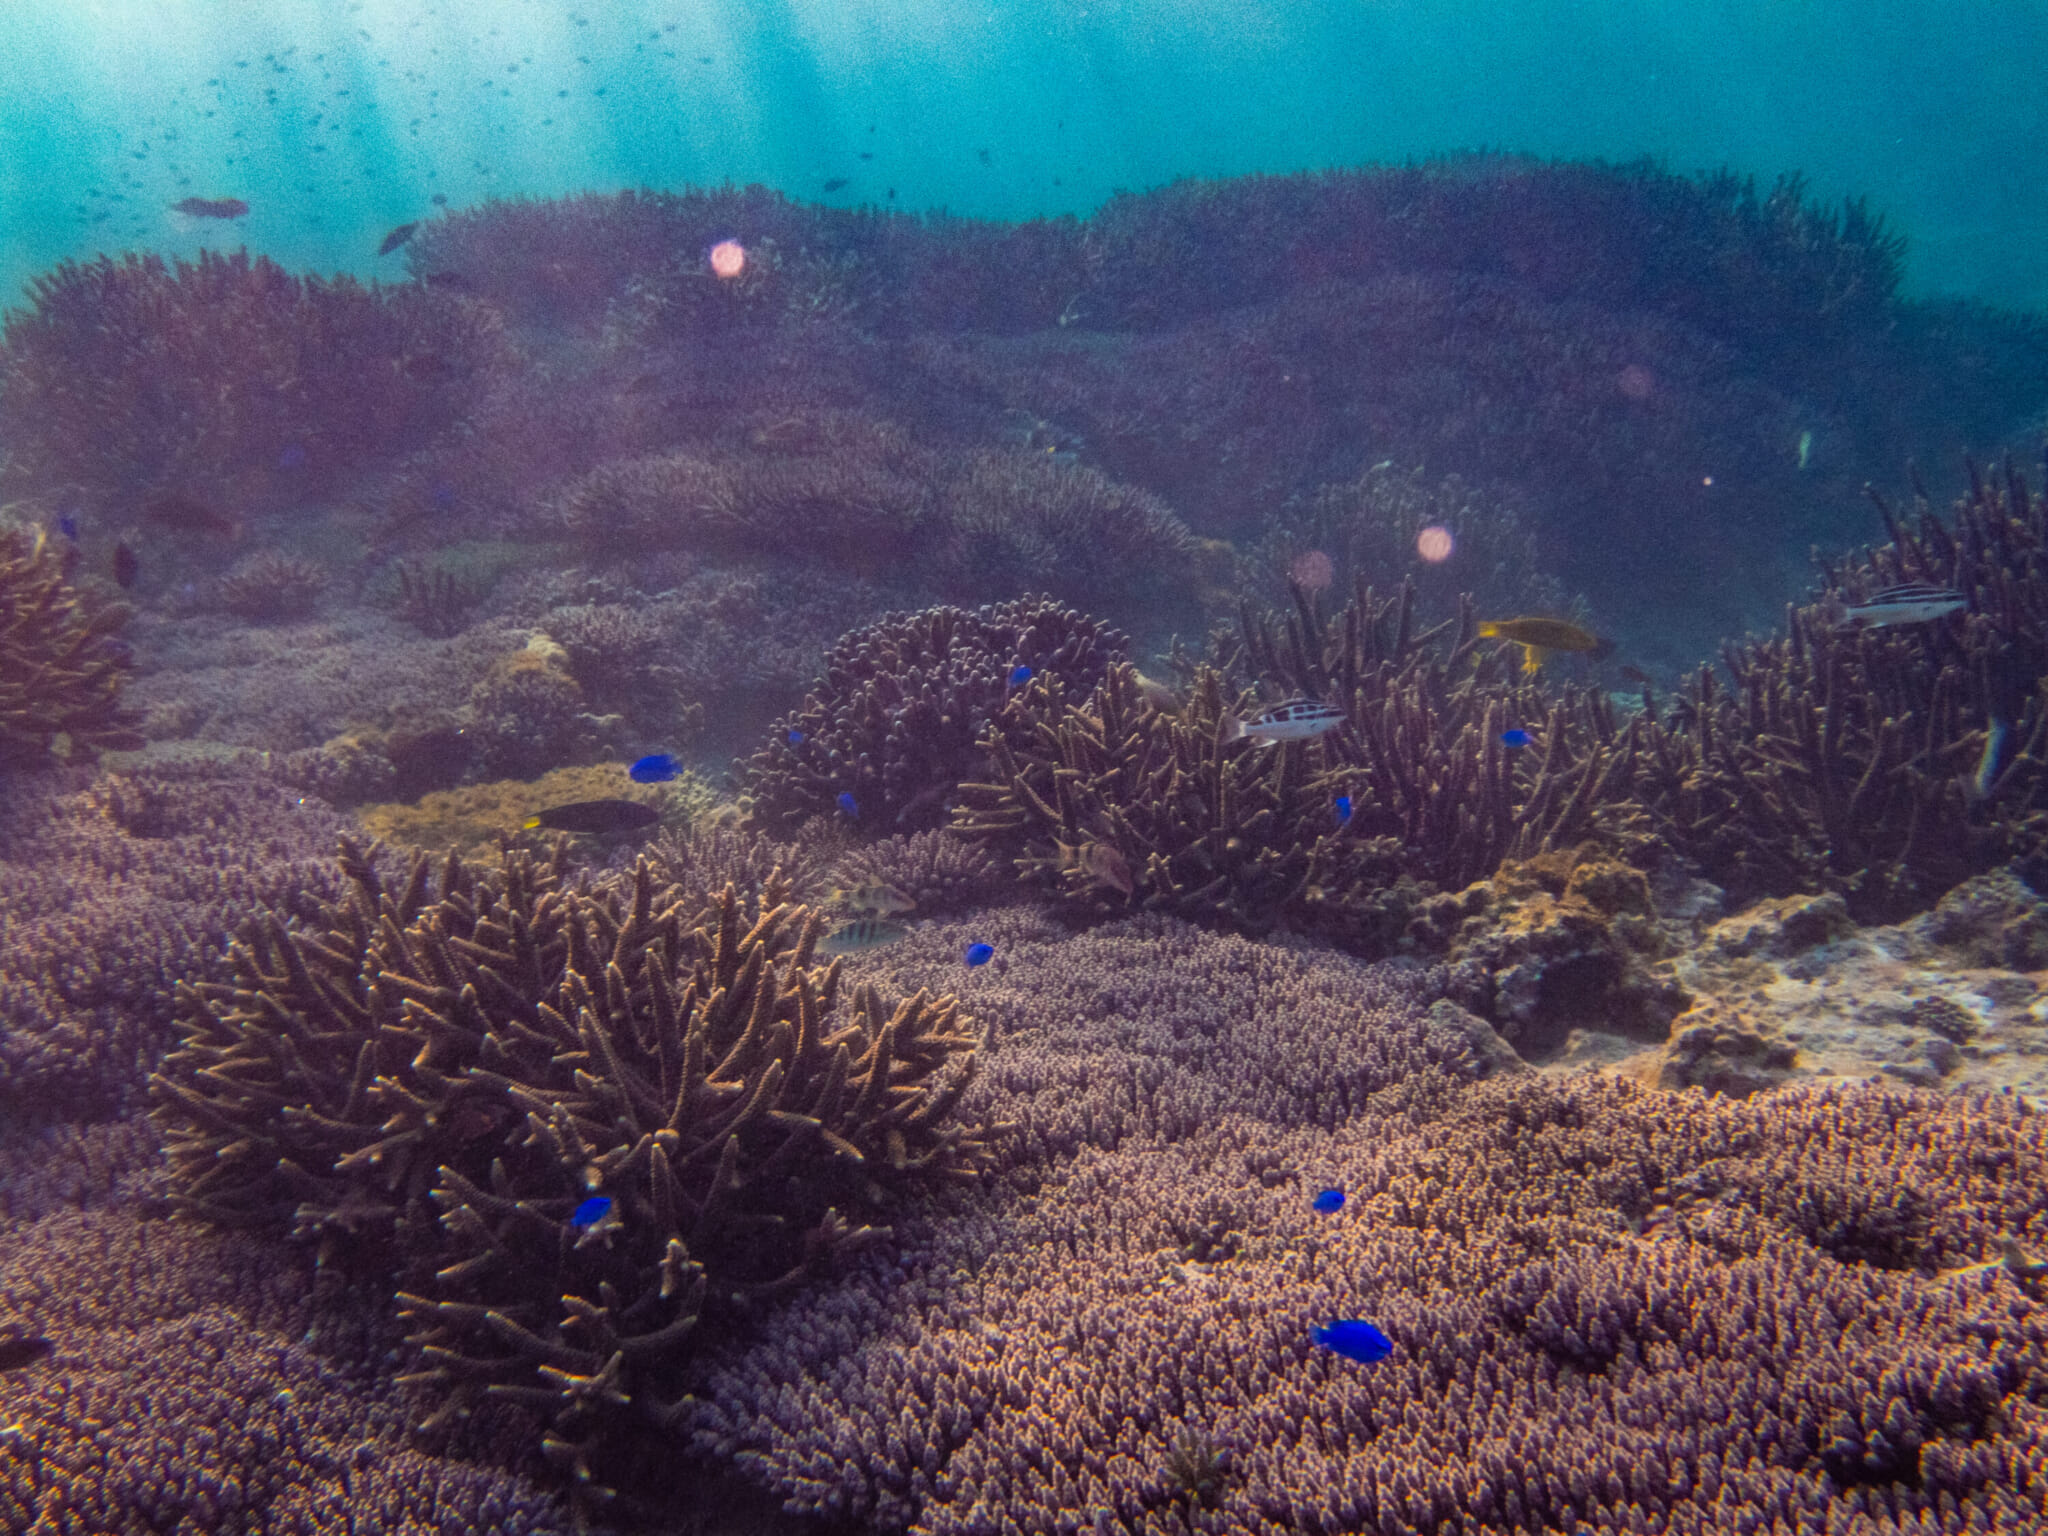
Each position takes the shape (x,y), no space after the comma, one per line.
(1536,635)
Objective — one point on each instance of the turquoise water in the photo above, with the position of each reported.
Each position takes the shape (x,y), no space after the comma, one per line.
(335,121)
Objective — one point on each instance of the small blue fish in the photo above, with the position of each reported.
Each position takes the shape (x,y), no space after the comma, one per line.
(1343,809)
(1328,1202)
(1355,1340)
(979,954)
(592,1211)
(68,526)
(796,738)
(655,768)
(1517,738)
(848,804)
(1019,675)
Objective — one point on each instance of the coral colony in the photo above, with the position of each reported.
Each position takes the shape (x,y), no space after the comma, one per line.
(994,911)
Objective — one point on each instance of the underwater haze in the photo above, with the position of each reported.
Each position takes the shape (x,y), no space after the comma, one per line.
(1159,769)
(336,121)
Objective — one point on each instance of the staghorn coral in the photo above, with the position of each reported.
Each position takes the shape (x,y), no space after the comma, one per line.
(431,1084)
(1850,760)
(1614,1309)
(898,717)
(61,669)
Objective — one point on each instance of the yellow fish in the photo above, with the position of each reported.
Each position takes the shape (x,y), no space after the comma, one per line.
(1537,635)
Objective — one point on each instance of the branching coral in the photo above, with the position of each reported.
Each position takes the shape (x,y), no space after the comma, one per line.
(131,375)
(1863,760)
(897,721)
(437,1081)
(61,668)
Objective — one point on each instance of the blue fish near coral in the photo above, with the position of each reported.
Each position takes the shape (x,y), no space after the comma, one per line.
(1019,676)
(848,804)
(1517,738)
(655,768)
(591,1211)
(979,954)
(1343,808)
(796,738)
(1328,1202)
(1355,1340)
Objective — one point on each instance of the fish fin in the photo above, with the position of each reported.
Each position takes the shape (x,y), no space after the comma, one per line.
(1532,659)
(529,824)
(1488,630)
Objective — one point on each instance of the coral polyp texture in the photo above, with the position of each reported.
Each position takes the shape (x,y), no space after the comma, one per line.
(438,1082)
(61,665)
(896,722)
(1612,1309)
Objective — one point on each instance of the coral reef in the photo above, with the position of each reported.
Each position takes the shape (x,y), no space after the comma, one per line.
(243,1413)
(112,886)
(938,871)
(271,584)
(1612,1309)
(436,1083)
(898,718)
(1861,760)
(127,376)
(477,819)
(61,667)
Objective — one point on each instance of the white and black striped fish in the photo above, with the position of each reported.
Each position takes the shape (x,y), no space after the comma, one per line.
(1294,720)
(1914,603)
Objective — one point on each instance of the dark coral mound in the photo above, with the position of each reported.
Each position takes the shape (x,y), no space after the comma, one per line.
(128,376)
(432,1084)
(1862,760)
(898,718)
(1613,1310)
(61,667)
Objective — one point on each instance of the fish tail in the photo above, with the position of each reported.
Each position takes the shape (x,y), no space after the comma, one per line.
(529,824)
(1488,630)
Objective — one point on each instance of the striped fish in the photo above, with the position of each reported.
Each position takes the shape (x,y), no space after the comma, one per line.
(1913,603)
(861,933)
(1294,720)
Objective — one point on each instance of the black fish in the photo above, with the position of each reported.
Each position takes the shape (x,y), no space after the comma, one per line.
(597,817)
(397,237)
(126,567)
(22,1351)
(835,183)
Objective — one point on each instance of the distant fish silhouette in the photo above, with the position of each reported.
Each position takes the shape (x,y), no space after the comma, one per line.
(397,237)
(212,207)
(835,183)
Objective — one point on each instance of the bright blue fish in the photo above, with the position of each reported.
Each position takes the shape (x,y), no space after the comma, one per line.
(848,804)
(655,768)
(68,526)
(1355,1340)
(979,954)
(1329,1201)
(1343,809)
(796,738)
(592,1211)
(1517,738)
(1019,676)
